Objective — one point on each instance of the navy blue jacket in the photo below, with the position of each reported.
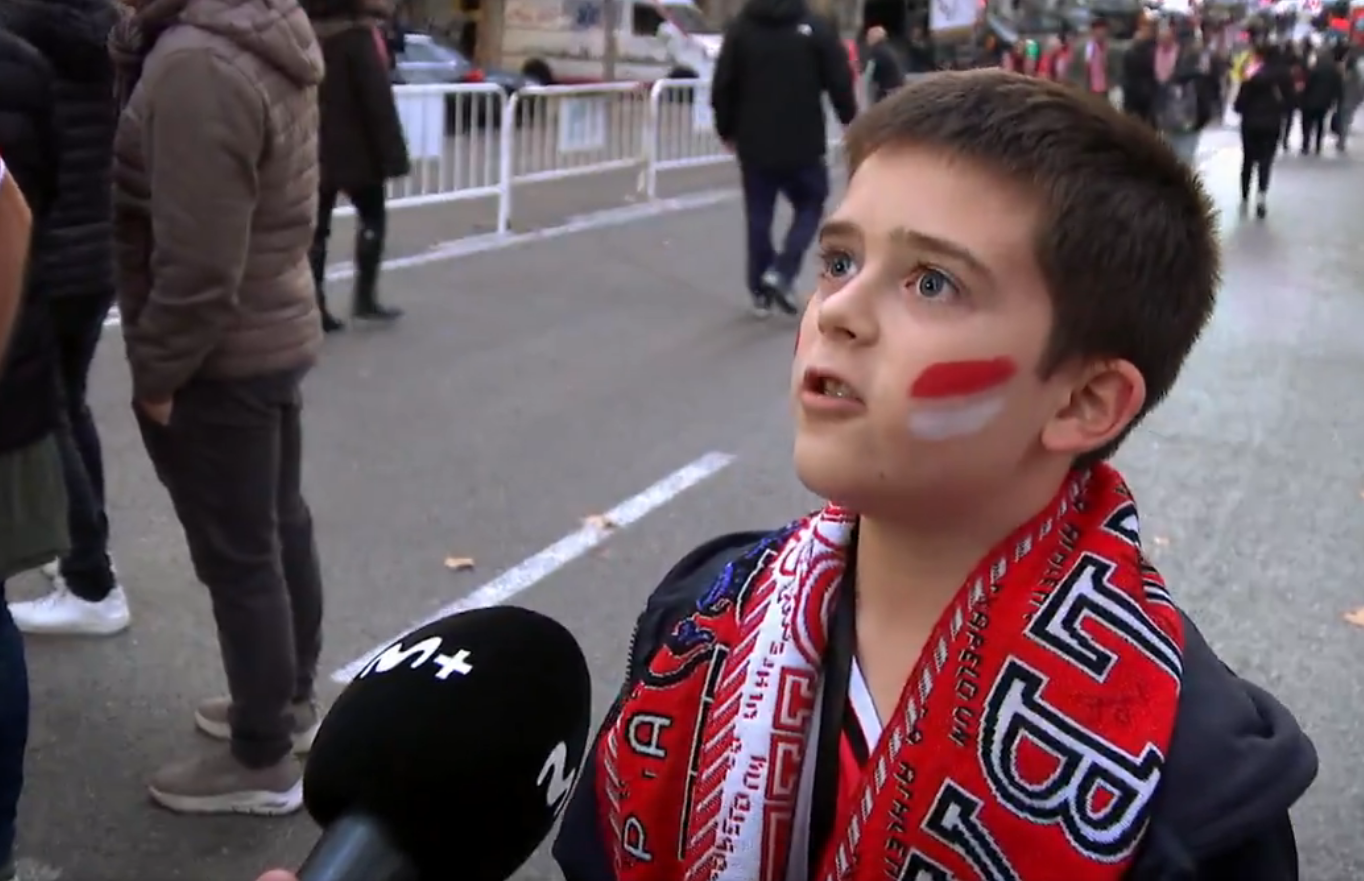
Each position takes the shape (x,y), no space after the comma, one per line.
(1237,762)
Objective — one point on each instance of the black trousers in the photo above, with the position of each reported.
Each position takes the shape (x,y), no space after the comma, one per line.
(372,213)
(807,189)
(231,460)
(78,322)
(1258,149)
(1313,129)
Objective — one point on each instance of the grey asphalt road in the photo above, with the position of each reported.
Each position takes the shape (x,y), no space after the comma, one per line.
(532,387)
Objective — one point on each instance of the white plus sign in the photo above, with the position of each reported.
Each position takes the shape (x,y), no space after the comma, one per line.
(456,663)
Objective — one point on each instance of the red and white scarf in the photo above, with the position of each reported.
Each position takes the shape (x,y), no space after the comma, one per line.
(1028,743)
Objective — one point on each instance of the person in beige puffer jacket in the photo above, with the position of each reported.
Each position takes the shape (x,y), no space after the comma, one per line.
(215,195)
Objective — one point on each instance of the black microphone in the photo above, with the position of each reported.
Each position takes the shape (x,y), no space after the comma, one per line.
(452,752)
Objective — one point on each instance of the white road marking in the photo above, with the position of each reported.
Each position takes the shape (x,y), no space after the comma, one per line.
(456,249)
(32,870)
(534,569)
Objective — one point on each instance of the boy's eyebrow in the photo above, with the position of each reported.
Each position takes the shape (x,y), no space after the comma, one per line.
(906,237)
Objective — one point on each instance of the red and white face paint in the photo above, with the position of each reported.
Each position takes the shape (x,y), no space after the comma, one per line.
(958,398)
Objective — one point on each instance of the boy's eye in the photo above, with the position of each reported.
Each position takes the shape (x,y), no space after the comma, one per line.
(933,284)
(838,264)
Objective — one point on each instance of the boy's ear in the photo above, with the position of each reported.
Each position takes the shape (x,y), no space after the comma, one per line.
(1104,397)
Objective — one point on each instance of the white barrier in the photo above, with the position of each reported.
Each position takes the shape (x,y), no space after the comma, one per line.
(683,133)
(472,141)
(453,141)
(564,132)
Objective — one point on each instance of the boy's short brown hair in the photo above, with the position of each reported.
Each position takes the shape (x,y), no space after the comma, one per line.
(1127,241)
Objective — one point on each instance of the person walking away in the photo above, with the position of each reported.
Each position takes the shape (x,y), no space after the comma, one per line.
(215,194)
(886,73)
(1028,58)
(1056,58)
(1184,92)
(1095,65)
(1292,68)
(362,146)
(1261,103)
(777,62)
(1352,92)
(1139,85)
(70,266)
(32,496)
(919,54)
(1321,96)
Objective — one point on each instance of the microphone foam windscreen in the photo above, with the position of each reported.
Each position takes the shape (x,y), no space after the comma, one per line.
(462,739)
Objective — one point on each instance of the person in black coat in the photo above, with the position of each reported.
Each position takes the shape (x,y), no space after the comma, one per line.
(776,63)
(32,497)
(28,141)
(1292,68)
(1261,103)
(361,143)
(887,75)
(1139,87)
(1321,94)
(72,263)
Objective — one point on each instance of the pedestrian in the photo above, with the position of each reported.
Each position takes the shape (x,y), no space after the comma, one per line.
(1026,58)
(1182,104)
(1292,69)
(919,51)
(1139,85)
(1321,96)
(1095,65)
(1352,92)
(903,683)
(1056,58)
(362,145)
(777,62)
(71,266)
(883,65)
(1261,103)
(215,195)
(32,496)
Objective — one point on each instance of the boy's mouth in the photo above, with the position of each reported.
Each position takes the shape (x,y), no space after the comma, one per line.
(829,385)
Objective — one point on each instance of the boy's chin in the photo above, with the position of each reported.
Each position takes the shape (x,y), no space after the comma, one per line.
(840,478)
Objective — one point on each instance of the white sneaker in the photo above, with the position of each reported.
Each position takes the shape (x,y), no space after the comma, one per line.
(62,613)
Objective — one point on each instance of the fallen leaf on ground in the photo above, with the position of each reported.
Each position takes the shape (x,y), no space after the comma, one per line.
(599,521)
(459,564)
(1356,617)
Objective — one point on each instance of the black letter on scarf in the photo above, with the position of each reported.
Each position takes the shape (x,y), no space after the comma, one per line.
(1099,794)
(1087,594)
(954,820)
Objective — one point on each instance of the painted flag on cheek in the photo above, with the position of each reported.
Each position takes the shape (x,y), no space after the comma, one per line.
(958,398)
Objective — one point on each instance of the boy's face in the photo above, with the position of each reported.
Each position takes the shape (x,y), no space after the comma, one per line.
(916,368)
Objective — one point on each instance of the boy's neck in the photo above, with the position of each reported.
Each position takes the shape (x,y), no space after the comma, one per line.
(910,569)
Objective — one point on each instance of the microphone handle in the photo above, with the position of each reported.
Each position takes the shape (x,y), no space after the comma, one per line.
(356,848)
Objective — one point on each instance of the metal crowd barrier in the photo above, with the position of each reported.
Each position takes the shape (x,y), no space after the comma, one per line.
(453,140)
(472,141)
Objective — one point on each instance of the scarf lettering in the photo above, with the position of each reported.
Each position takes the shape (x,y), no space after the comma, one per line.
(1028,743)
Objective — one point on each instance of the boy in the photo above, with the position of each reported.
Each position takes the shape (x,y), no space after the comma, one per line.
(977,675)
